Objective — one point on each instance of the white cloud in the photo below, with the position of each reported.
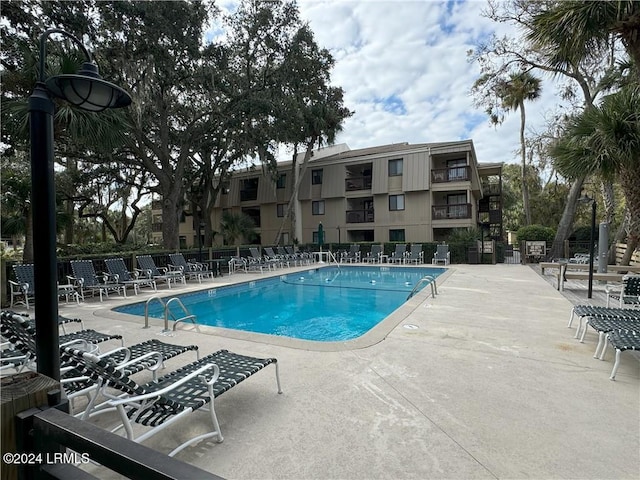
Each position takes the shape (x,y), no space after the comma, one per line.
(413,54)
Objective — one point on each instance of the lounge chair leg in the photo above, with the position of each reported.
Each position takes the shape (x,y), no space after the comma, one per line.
(278,378)
(604,349)
(600,344)
(615,365)
(580,320)
(571,317)
(584,331)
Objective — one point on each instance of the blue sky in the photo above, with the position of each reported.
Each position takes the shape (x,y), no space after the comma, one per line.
(404,69)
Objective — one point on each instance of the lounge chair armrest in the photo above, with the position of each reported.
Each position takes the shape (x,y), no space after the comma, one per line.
(197,373)
(75,281)
(157,356)
(110,277)
(613,289)
(175,268)
(145,273)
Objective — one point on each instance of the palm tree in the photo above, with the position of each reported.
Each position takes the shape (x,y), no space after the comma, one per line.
(605,140)
(571,30)
(513,93)
(236,225)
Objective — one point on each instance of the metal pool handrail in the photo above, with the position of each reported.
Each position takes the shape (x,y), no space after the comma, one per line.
(166,307)
(427,278)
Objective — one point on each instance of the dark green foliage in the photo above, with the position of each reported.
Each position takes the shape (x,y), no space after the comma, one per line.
(535,232)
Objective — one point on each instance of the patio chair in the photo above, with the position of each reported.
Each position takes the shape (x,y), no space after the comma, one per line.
(374,255)
(628,295)
(278,260)
(237,264)
(22,291)
(149,269)
(169,399)
(86,279)
(398,255)
(132,359)
(353,255)
(441,255)
(282,253)
(303,257)
(19,331)
(621,340)
(585,311)
(258,262)
(605,325)
(189,269)
(118,271)
(415,255)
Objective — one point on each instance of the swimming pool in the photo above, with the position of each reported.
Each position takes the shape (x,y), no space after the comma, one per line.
(326,304)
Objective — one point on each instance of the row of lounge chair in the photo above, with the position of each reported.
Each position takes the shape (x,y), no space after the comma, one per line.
(117,279)
(106,380)
(269,260)
(619,327)
(401,255)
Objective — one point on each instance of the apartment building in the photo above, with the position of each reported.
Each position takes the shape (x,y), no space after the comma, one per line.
(390,193)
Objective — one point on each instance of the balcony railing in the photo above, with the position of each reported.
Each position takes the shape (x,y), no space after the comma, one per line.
(455,174)
(491,189)
(156,205)
(156,227)
(358,183)
(360,216)
(449,212)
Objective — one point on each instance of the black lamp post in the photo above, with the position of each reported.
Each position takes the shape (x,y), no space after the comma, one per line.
(586,199)
(87,91)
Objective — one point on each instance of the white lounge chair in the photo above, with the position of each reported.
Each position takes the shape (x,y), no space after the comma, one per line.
(441,255)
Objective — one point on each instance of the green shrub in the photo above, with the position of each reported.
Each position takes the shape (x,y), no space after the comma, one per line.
(535,232)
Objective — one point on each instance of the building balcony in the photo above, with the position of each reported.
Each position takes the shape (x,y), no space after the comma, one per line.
(451,212)
(156,205)
(360,216)
(358,183)
(248,195)
(156,227)
(455,174)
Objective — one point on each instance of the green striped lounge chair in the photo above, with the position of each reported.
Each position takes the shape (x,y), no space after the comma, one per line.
(173,397)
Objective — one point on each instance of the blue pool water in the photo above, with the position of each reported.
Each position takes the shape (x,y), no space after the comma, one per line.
(325,304)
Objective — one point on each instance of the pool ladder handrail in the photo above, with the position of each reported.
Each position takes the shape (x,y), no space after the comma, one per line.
(427,278)
(167,311)
(331,255)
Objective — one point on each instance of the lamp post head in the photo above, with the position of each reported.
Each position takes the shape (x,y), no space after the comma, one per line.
(87,90)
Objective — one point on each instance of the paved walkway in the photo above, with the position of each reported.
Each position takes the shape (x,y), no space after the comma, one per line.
(488,383)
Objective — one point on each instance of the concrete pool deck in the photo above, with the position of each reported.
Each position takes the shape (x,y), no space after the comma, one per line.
(488,382)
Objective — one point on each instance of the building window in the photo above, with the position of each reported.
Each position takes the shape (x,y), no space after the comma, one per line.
(316,177)
(396,202)
(395,167)
(317,207)
(282,181)
(249,189)
(457,170)
(280,209)
(396,235)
